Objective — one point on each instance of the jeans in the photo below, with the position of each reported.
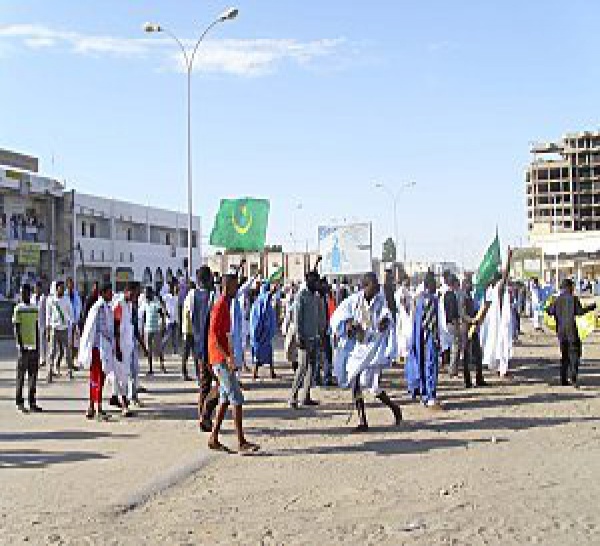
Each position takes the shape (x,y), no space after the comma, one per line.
(27,363)
(172,335)
(59,342)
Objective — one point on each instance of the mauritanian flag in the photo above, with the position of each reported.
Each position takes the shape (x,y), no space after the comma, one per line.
(490,265)
(241,224)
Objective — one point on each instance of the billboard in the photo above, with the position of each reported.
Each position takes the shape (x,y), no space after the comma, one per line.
(346,250)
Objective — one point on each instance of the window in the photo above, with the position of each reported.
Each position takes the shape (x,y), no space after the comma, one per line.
(194,240)
(542,174)
(122,257)
(102,256)
(168,238)
(83,229)
(554,174)
(129,234)
(92,231)
(131,257)
(92,255)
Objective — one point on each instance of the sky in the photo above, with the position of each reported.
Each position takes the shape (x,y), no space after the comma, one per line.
(306,103)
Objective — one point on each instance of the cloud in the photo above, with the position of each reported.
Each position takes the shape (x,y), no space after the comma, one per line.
(238,57)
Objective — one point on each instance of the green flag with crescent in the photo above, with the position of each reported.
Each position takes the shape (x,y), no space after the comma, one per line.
(241,224)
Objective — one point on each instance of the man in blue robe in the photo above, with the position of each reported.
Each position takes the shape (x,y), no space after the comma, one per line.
(422,364)
(263,324)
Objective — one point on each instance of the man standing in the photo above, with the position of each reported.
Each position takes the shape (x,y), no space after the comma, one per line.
(152,315)
(308,324)
(223,364)
(201,310)
(25,321)
(59,320)
(450,302)
(367,345)
(40,300)
(536,305)
(470,320)
(187,331)
(97,349)
(263,325)
(565,309)
(76,307)
(423,360)
(171,302)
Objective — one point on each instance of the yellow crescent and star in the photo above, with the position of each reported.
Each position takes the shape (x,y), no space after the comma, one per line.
(247,217)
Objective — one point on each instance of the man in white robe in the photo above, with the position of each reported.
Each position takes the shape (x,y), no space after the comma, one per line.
(536,305)
(496,333)
(366,344)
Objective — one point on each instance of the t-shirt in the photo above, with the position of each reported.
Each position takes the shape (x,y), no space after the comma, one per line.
(450,306)
(152,311)
(27,317)
(219,329)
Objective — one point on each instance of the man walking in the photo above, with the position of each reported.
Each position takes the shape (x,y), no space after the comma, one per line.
(171,303)
(223,364)
(152,315)
(308,331)
(470,320)
(59,320)
(25,321)
(565,309)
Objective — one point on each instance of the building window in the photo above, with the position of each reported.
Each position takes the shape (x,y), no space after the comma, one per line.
(92,231)
(131,257)
(122,257)
(194,240)
(129,234)
(83,229)
(168,238)
(92,255)
(102,256)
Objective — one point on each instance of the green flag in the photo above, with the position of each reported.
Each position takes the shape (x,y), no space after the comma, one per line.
(490,266)
(277,275)
(241,224)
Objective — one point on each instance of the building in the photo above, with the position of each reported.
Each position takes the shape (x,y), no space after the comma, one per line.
(29,218)
(117,241)
(563,205)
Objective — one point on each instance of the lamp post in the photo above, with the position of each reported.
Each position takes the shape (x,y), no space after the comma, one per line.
(188,58)
(395,197)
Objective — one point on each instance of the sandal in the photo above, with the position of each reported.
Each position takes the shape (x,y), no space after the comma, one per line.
(247,448)
(219,447)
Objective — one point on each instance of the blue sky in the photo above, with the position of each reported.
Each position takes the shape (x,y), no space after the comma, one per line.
(306,102)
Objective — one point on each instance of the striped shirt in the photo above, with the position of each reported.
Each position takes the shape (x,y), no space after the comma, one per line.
(152,311)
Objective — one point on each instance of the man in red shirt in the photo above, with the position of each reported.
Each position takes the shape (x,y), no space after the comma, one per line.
(221,358)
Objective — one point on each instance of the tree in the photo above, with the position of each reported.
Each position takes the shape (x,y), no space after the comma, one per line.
(389,250)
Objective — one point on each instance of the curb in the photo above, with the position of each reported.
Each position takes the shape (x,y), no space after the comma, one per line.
(170,479)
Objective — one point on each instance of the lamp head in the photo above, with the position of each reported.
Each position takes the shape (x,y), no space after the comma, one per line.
(152,27)
(229,14)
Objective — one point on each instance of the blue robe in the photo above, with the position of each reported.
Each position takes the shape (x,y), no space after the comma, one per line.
(422,363)
(263,324)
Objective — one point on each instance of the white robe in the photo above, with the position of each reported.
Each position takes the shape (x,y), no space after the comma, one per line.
(110,365)
(446,337)
(366,360)
(496,331)
(121,372)
(404,324)
(536,310)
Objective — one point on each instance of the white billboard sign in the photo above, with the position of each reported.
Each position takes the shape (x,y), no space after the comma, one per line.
(346,250)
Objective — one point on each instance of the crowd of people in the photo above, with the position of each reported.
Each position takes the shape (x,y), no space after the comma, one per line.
(335,335)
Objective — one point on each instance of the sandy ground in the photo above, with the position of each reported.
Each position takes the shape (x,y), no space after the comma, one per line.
(513,463)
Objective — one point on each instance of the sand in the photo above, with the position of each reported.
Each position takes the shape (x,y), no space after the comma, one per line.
(513,463)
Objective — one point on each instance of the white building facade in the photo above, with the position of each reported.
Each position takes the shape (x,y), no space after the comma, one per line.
(119,242)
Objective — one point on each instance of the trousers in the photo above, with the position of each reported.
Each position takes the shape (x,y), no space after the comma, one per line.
(28,363)
(307,362)
(570,352)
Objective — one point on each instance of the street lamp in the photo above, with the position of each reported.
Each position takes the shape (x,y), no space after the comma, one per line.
(395,197)
(188,58)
